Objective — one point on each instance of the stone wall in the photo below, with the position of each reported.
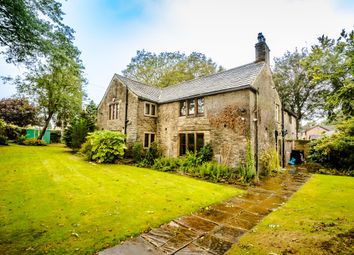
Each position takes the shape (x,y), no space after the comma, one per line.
(268,98)
(224,124)
(116,93)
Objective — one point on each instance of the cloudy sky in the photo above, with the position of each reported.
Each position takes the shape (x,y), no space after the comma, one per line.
(109,32)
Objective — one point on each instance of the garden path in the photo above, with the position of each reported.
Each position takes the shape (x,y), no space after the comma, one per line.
(213,230)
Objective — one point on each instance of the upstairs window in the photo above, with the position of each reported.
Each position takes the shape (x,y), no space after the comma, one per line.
(183,108)
(149,138)
(192,107)
(113,113)
(150,109)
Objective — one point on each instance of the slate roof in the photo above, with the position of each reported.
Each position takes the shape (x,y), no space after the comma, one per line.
(229,80)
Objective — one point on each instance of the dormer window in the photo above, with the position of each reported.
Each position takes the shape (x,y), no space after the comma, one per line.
(150,109)
(192,107)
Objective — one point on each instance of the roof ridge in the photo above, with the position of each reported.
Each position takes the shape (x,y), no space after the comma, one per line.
(209,75)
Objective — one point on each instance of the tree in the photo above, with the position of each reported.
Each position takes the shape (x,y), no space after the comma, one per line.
(330,66)
(168,68)
(28,29)
(296,91)
(56,85)
(18,111)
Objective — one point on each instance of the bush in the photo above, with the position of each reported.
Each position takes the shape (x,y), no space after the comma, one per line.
(55,136)
(206,153)
(336,151)
(2,127)
(3,140)
(269,161)
(137,152)
(214,171)
(166,164)
(34,142)
(189,162)
(21,140)
(13,132)
(104,146)
(75,134)
(247,169)
(152,153)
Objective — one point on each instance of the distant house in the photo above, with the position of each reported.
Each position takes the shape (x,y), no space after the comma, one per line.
(317,131)
(223,109)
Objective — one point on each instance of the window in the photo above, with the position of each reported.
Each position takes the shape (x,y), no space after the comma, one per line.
(150,109)
(149,138)
(192,142)
(192,107)
(113,111)
(183,108)
(200,105)
(277,112)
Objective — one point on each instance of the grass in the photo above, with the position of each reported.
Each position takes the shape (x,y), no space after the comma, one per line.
(53,202)
(319,219)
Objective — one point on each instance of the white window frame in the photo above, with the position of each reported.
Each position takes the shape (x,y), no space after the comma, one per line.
(149,142)
(150,107)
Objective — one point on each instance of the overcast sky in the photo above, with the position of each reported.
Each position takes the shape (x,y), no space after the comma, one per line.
(109,32)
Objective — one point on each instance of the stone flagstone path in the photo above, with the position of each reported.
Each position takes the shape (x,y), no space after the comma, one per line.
(213,230)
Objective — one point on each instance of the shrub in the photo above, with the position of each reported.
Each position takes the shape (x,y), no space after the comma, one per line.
(13,132)
(2,127)
(214,171)
(247,169)
(55,136)
(137,152)
(75,134)
(34,142)
(166,164)
(21,139)
(3,140)
(104,146)
(206,153)
(152,153)
(189,162)
(269,161)
(336,151)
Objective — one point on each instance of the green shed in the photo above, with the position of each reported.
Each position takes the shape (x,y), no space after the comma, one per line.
(33,133)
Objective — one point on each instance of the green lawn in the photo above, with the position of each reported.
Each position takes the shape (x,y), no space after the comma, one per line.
(319,219)
(54,202)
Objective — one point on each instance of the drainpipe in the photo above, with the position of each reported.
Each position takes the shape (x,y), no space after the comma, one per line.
(126,111)
(256,130)
(283,134)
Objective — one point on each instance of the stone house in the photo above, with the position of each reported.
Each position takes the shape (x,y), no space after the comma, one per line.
(317,131)
(223,109)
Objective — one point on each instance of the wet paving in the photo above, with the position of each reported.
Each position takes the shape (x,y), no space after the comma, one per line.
(213,230)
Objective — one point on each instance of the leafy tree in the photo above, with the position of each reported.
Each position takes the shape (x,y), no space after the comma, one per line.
(330,65)
(29,28)
(295,89)
(18,111)
(168,68)
(55,86)
(336,151)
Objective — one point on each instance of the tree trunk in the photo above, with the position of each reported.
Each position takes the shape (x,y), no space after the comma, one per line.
(47,120)
(297,128)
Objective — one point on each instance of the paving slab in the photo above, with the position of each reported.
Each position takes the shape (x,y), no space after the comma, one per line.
(213,230)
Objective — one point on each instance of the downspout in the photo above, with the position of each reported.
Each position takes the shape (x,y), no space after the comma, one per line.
(126,111)
(256,131)
(283,133)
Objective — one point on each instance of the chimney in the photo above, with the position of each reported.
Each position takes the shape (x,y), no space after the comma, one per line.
(262,50)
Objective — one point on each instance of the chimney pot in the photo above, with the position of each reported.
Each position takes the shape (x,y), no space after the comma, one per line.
(262,50)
